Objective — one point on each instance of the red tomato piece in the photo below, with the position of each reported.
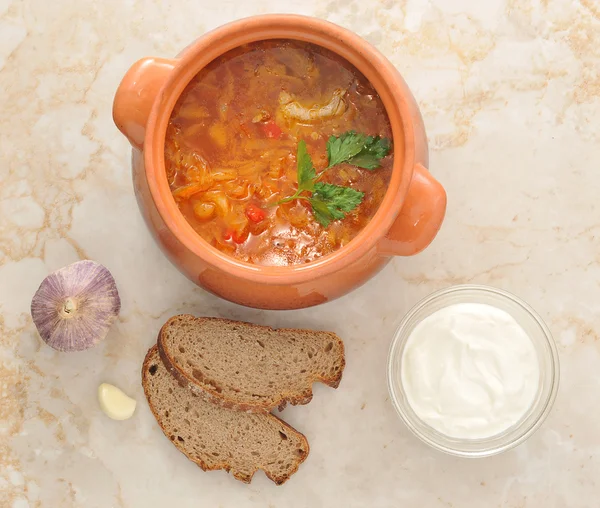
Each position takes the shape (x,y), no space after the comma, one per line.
(235,236)
(255,214)
(272,130)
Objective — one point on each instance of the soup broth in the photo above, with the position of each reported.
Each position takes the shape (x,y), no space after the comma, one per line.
(236,134)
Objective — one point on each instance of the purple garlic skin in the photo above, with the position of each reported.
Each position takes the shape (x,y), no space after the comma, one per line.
(75,306)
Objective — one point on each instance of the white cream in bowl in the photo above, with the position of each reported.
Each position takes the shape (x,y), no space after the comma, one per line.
(469,371)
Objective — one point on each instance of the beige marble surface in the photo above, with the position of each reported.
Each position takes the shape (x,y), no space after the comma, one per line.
(510,93)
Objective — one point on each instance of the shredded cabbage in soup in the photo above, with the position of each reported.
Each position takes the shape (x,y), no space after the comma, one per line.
(230,149)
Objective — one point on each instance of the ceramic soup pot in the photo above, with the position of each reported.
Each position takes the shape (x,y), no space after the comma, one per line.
(407,221)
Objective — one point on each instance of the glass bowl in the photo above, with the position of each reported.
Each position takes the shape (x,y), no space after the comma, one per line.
(547,355)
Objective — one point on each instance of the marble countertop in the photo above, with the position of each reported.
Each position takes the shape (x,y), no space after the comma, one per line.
(510,94)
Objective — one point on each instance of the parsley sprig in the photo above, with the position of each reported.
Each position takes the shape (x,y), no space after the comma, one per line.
(331,202)
(357,149)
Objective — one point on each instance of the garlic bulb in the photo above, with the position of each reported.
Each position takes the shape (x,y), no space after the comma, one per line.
(75,306)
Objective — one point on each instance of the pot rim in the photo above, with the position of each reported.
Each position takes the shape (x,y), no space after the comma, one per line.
(365,57)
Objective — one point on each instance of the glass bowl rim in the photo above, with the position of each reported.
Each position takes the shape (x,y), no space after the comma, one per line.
(400,337)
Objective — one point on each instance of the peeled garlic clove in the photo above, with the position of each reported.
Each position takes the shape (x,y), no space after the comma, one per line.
(75,306)
(115,403)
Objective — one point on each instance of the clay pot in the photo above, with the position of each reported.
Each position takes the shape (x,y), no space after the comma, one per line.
(407,221)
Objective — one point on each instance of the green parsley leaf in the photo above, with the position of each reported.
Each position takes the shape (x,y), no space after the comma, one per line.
(323,215)
(306,170)
(329,202)
(345,147)
(374,149)
(357,149)
(344,198)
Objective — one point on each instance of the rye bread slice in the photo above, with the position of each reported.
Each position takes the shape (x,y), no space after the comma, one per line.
(249,367)
(218,438)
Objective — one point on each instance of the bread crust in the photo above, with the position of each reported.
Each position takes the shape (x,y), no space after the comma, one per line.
(279,480)
(218,398)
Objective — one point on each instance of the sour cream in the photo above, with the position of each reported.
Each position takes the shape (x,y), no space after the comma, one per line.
(470,371)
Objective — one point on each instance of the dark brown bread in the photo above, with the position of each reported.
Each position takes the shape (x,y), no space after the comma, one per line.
(218,438)
(249,367)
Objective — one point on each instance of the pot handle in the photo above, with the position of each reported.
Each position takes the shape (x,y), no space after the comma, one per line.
(136,94)
(420,218)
